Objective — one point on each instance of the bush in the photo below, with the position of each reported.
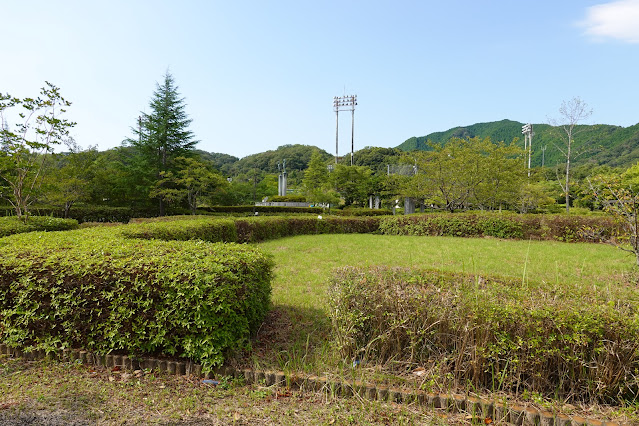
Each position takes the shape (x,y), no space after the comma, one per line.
(456,225)
(12,225)
(288,198)
(247,230)
(89,289)
(528,226)
(260,209)
(558,340)
(354,211)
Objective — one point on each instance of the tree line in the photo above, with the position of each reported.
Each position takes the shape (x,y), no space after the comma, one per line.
(158,167)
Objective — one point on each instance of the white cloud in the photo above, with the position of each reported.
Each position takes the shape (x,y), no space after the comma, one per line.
(617,20)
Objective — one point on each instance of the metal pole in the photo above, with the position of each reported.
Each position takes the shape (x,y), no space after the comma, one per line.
(336,133)
(352,132)
(530,135)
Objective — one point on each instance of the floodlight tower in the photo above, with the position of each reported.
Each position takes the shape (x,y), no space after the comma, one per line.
(344,103)
(527,131)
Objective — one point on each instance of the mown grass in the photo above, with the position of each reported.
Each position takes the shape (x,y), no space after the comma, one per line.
(303,263)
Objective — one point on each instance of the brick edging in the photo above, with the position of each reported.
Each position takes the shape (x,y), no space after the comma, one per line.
(479,408)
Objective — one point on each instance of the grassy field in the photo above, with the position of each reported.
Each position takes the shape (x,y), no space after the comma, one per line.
(296,335)
(303,263)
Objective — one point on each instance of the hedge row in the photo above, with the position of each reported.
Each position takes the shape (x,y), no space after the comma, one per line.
(253,229)
(538,227)
(558,340)
(249,229)
(12,225)
(90,289)
(360,212)
(260,209)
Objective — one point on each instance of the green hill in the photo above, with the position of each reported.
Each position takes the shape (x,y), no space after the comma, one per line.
(600,144)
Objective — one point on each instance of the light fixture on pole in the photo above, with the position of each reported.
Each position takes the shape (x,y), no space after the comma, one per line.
(527,131)
(344,103)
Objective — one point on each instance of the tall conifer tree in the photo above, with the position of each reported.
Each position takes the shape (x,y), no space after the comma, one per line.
(163,135)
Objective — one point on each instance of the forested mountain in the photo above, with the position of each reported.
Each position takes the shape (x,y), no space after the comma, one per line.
(600,144)
(297,157)
(222,162)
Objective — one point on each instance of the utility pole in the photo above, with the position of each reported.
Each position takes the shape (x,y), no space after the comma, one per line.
(344,103)
(543,156)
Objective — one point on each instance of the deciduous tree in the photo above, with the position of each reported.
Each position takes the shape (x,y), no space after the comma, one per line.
(192,180)
(572,113)
(23,147)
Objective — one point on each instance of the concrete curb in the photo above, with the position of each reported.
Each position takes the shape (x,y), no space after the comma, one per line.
(479,408)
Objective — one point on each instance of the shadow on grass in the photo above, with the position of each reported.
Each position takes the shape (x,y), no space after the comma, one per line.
(290,338)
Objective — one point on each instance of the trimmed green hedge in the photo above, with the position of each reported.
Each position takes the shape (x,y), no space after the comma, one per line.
(360,212)
(249,229)
(556,339)
(10,225)
(90,289)
(83,213)
(260,209)
(538,227)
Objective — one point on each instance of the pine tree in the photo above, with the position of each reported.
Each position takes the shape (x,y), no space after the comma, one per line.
(163,135)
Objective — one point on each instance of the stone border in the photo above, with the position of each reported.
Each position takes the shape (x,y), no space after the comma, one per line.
(478,408)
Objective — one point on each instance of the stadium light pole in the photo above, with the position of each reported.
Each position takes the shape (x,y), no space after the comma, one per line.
(344,103)
(527,131)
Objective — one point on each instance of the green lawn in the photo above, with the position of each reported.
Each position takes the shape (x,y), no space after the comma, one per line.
(303,263)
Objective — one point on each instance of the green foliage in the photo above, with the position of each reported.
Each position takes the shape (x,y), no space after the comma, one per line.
(288,198)
(466,172)
(360,211)
(14,225)
(260,209)
(455,225)
(556,339)
(70,179)
(22,159)
(248,230)
(163,135)
(375,158)
(94,290)
(297,158)
(612,145)
(620,198)
(316,181)
(191,181)
(221,162)
(539,227)
(353,183)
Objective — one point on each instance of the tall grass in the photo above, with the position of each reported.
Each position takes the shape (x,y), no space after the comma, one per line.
(303,263)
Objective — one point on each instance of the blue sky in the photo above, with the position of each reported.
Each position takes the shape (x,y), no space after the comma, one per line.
(260,74)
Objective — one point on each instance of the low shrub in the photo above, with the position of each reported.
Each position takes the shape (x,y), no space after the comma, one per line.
(360,212)
(247,230)
(455,225)
(529,226)
(108,214)
(287,198)
(259,209)
(89,289)
(10,225)
(560,340)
